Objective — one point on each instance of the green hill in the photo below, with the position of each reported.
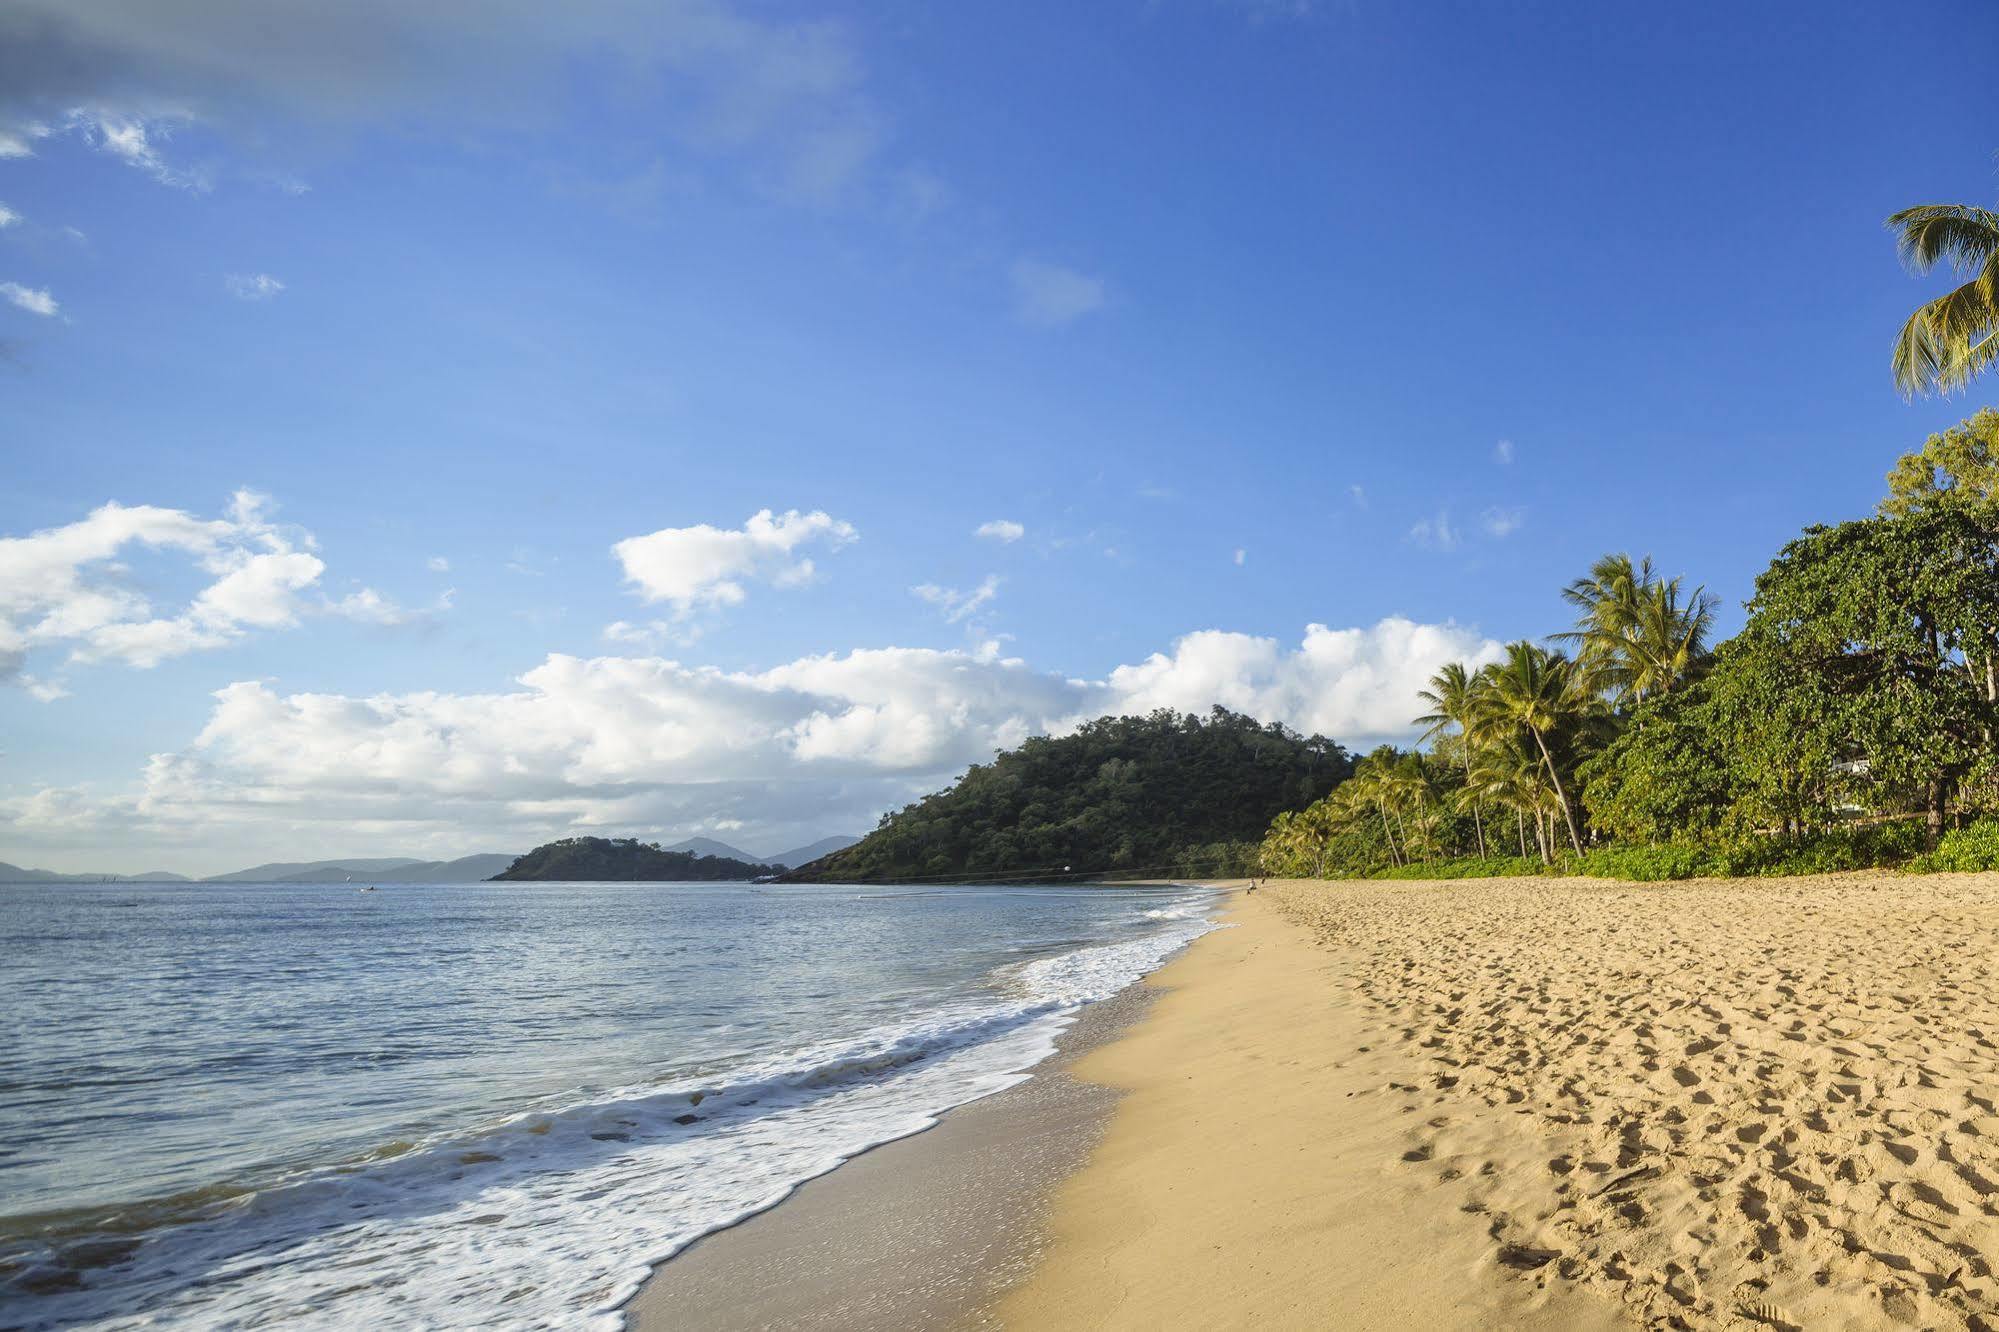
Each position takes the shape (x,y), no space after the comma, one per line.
(1164,794)
(625,860)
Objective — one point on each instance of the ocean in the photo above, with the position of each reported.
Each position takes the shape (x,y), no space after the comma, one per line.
(487,1105)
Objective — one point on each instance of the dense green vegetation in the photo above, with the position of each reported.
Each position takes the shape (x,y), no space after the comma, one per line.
(625,860)
(1164,794)
(1851,722)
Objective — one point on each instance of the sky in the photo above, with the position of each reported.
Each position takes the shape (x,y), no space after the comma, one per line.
(436,429)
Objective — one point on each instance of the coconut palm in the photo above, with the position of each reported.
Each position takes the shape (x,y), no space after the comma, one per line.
(1508,773)
(1668,637)
(1948,341)
(1635,635)
(1539,692)
(1453,697)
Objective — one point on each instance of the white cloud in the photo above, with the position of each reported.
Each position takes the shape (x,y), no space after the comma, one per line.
(1241,556)
(1502,452)
(642,744)
(252,286)
(31,299)
(1355,685)
(64,587)
(1435,533)
(8,217)
(18,140)
(958,605)
(1003,530)
(370,607)
(1049,294)
(1358,494)
(437,564)
(1499,522)
(134,138)
(688,567)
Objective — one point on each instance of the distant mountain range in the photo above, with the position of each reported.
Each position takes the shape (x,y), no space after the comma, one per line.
(792,859)
(406,869)
(15,874)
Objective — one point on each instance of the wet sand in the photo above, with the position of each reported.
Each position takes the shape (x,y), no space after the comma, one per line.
(924,1232)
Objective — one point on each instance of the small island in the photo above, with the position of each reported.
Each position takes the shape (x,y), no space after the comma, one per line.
(626,860)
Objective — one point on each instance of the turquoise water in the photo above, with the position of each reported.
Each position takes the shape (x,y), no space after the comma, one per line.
(486,1104)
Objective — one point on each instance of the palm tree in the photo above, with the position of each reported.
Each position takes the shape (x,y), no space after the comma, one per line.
(1508,773)
(1635,635)
(1607,603)
(1949,340)
(1536,690)
(1668,638)
(1453,697)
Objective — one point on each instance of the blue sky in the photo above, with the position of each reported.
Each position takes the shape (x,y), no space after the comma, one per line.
(1228,306)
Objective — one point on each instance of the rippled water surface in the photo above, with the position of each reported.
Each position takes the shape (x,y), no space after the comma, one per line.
(485,1104)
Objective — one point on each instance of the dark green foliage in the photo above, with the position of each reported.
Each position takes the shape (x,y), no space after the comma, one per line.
(1972,847)
(1665,775)
(1876,636)
(625,860)
(1864,847)
(1464,867)
(1136,795)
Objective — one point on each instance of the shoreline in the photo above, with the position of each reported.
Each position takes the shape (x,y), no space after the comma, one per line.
(924,1231)
(1257,1172)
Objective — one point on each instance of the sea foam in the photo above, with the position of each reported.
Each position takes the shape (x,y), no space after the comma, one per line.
(553,1219)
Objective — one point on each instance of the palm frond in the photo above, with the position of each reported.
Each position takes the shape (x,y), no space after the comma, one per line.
(1957,234)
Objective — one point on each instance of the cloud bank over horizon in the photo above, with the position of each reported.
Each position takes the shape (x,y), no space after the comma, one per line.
(623,745)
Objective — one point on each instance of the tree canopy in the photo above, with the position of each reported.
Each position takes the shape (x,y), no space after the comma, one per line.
(625,860)
(1164,793)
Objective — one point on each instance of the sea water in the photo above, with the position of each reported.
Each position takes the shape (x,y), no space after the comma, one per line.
(487,1105)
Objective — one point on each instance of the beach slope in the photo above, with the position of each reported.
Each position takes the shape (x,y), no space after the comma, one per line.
(1554,1103)
(1254,1174)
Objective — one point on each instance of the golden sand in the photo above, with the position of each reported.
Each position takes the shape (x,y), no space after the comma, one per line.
(1554,1103)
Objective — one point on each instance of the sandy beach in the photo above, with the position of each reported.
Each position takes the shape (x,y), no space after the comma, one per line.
(1548,1103)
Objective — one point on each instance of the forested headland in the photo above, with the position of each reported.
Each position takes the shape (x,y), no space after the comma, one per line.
(625,860)
(1165,794)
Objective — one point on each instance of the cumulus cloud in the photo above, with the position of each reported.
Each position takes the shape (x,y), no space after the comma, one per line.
(1048,294)
(252,286)
(1436,532)
(65,588)
(33,300)
(957,605)
(1502,522)
(437,564)
(690,567)
(1241,556)
(1356,685)
(637,744)
(1003,530)
(8,217)
(1502,452)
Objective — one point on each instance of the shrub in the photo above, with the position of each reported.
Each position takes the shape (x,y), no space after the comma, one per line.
(1463,867)
(1972,847)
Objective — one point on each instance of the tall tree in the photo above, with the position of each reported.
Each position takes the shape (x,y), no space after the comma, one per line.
(1877,629)
(1453,697)
(1949,340)
(1539,692)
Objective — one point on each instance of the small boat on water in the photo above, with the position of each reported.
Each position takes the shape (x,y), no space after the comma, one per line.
(370,889)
